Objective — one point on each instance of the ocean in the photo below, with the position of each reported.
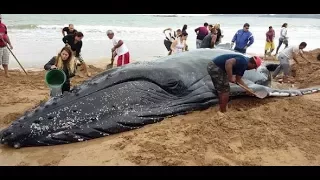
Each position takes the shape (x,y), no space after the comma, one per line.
(36,38)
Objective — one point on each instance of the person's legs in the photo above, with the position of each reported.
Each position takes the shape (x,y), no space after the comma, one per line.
(126,58)
(198,43)
(279,45)
(266,48)
(120,60)
(271,47)
(221,84)
(4,55)
(286,72)
(84,66)
(277,71)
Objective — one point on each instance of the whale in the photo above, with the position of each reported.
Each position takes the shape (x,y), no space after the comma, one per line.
(132,96)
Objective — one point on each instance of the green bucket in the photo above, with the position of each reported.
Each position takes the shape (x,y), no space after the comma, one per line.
(55,78)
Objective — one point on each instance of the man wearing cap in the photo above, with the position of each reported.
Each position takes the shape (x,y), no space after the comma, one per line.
(120,49)
(269,42)
(243,39)
(4,52)
(222,70)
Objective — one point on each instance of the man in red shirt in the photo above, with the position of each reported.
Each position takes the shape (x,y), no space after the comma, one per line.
(269,42)
(4,52)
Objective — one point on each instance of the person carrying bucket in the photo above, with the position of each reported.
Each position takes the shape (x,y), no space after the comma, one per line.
(65,62)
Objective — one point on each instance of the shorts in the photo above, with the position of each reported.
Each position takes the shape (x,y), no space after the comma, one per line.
(123,59)
(269,45)
(4,55)
(219,78)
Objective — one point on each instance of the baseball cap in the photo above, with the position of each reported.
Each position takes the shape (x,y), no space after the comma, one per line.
(258,61)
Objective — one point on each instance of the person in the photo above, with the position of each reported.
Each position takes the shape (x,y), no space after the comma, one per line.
(269,41)
(201,33)
(285,56)
(119,49)
(243,39)
(219,34)
(210,40)
(64,61)
(184,28)
(283,37)
(221,70)
(69,30)
(4,52)
(74,41)
(179,45)
(168,41)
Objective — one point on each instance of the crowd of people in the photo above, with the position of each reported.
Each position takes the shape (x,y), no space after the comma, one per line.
(223,69)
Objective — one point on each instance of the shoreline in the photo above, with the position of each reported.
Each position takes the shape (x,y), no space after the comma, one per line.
(103,62)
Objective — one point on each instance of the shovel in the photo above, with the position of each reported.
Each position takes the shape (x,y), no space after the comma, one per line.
(14,56)
(259,94)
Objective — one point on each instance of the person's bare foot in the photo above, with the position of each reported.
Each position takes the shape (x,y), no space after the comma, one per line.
(89,74)
(6,75)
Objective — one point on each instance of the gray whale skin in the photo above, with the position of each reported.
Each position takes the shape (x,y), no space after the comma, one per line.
(129,97)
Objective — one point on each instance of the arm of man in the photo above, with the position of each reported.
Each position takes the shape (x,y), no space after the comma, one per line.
(251,41)
(228,66)
(66,39)
(49,64)
(197,29)
(64,30)
(213,41)
(120,42)
(78,49)
(234,37)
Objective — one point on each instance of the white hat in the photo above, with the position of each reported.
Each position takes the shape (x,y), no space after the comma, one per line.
(110,32)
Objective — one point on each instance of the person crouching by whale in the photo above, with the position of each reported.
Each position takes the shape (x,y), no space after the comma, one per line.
(74,41)
(64,61)
(222,70)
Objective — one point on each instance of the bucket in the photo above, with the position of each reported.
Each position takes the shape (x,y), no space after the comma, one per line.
(55,79)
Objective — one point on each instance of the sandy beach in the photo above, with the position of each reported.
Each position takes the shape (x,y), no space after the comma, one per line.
(271,131)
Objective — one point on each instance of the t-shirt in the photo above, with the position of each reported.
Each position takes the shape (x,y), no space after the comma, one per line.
(67,30)
(3,34)
(203,31)
(74,47)
(120,50)
(289,51)
(238,69)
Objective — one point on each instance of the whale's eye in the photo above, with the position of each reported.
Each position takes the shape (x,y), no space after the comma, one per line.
(50,117)
(74,110)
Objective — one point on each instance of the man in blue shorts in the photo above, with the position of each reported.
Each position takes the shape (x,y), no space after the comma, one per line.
(222,70)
